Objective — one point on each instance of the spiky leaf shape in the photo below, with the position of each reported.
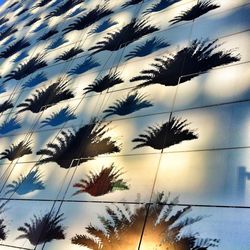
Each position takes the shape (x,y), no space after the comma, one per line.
(43,229)
(132,103)
(161,5)
(26,184)
(3,20)
(103,26)
(105,82)
(62,9)
(88,19)
(17,151)
(122,228)
(34,20)
(9,40)
(27,68)
(46,97)
(34,81)
(41,3)
(9,31)
(40,27)
(168,134)
(106,181)
(148,47)
(21,12)
(88,64)
(131,2)
(12,5)
(69,54)
(47,35)
(121,38)
(85,144)
(57,43)
(196,11)
(10,125)
(199,57)
(57,118)
(3,232)
(21,56)
(76,12)
(5,106)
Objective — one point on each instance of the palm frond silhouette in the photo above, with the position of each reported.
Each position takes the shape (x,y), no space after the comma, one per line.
(9,40)
(88,19)
(3,20)
(104,82)
(196,11)
(199,57)
(17,151)
(76,12)
(21,56)
(46,97)
(5,106)
(65,114)
(131,2)
(163,136)
(10,125)
(103,26)
(121,228)
(9,31)
(161,5)
(40,27)
(12,5)
(47,35)
(41,3)
(27,68)
(31,22)
(146,48)
(69,54)
(88,64)
(3,232)
(21,12)
(65,7)
(126,35)
(85,144)
(34,81)
(106,181)
(132,103)
(57,43)
(26,184)
(42,229)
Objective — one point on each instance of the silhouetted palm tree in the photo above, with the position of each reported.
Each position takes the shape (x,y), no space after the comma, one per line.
(69,54)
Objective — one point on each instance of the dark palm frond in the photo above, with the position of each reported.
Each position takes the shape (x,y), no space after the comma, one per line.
(41,3)
(132,103)
(88,19)
(21,56)
(21,12)
(27,68)
(103,26)
(34,20)
(10,125)
(3,232)
(88,64)
(126,35)
(196,11)
(9,40)
(9,31)
(106,181)
(121,228)
(34,81)
(55,3)
(46,97)
(105,82)
(131,2)
(12,5)
(85,144)
(168,134)
(76,12)
(47,35)
(26,184)
(57,43)
(5,106)
(199,57)
(69,54)
(40,27)
(16,151)
(148,47)
(161,5)
(3,20)
(65,114)
(65,7)
(43,229)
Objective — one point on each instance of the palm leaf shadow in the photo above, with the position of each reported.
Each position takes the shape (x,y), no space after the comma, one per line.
(69,54)
(57,43)
(3,232)
(46,97)
(40,27)
(47,35)
(132,103)
(6,105)
(10,125)
(9,40)
(3,20)
(200,57)
(168,134)
(43,229)
(76,12)
(34,81)
(126,35)
(161,5)
(21,56)
(106,181)
(131,2)
(85,144)
(32,21)
(103,26)
(21,12)
(9,31)
(41,3)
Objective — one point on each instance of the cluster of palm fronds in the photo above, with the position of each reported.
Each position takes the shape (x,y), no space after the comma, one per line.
(69,54)
(17,151)
(106,181)
(44,98)
(21,56)
(43,229)
(186,64)
(168,134)
(47,35)
(40,27)
(122,228)
(57,43)
(79,146)
(126,35)
(201,8)
(131,2)
(7,32)
(3,232)
(106,24)
(9,125)
(35,80)
(5,106)
(161,5)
